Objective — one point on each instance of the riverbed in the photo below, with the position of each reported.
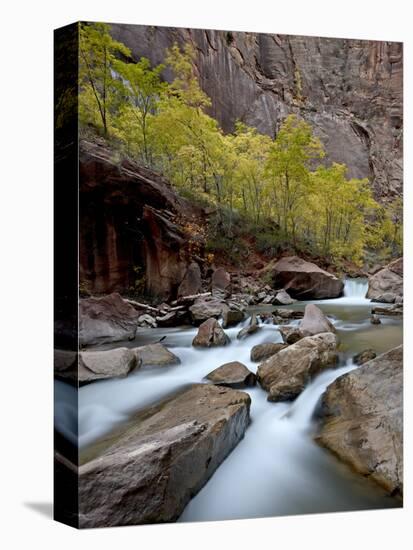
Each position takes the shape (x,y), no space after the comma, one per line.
(277,469)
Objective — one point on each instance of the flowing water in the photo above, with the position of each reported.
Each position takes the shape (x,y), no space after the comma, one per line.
(277,469)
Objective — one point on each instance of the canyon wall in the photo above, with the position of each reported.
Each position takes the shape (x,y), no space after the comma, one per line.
(349,90)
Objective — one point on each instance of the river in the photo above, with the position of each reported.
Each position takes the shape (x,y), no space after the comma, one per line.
(277,469)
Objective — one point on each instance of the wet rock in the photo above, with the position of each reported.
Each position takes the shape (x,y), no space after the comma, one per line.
(150,470)
(285,374)
(261,352)
(192,282)
(288,314)
(173,318)
(221,283)
(147,321)
(205,308)
(395,310)
(283,298)
(114,363)
(362,419)
(291,334)
(156,355)
(251,328)
(233,375)
(232,314)
(314,321)
(385,285)
(375,320)
(304,280)
(364,356)
(210,333)
(106,319)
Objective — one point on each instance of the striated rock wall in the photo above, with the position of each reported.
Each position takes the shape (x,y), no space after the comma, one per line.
(349,90)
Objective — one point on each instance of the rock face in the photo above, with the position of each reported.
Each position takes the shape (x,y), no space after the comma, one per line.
(150,471)
(192,281)
(386,285)
(261,352)
(314,321)
(128,229)
(210,333)
(304,280)
(261,78)
(106,319)
(233,375)
(156,355)
(285,374)
(362,419)
(114,363)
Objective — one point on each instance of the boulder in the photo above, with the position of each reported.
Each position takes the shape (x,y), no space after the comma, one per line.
(291,334)
(288,314)
(232,314)
(285,374)
(283,298)
(261,352)
(149,470)
(221,283)
(251,328)
(205,308)
(387,283)
(147,321)
(155,355)
(364,356)
(233,375)
(210,333)
(304,280)
(192,281)
(106,319)
(362,419)
(314,321)
(396,310)
(114,363)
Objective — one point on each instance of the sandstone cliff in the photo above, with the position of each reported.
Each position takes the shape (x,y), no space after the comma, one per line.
(349,90)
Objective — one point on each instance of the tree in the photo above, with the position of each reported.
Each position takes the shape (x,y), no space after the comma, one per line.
(99,87)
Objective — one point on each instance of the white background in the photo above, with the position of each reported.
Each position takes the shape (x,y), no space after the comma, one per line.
(26,269)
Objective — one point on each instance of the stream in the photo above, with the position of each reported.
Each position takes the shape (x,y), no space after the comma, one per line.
(277,469)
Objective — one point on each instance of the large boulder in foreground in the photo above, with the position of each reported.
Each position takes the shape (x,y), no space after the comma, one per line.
(285,374)
(210,333)
(233,375)
(304,280)
(150,470)
(106,319)
(362,419)
(156,355)
(314,321)
(114,363)
(386,285)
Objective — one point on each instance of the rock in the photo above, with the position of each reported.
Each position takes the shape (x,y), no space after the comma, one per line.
(261,352)
(156,355)
(150,470)
(106,319)
(364,356)
(285,374)
(147,320)
(385,285)
(114,363)
(173,318)
(249,329)
(210,333)
(314,321)
(232,315)
(395,310)
(268,299)
(288,314)
(291,334)
(362,419)
(233,375)
(221,283)
(66,364)
(283,298)
(192,282)
(398,300)
(375,320)
(304,280)
(205,308)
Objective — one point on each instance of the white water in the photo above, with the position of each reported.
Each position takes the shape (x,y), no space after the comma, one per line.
(276,469)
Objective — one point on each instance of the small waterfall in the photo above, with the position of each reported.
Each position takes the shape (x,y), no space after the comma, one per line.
(355,288)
